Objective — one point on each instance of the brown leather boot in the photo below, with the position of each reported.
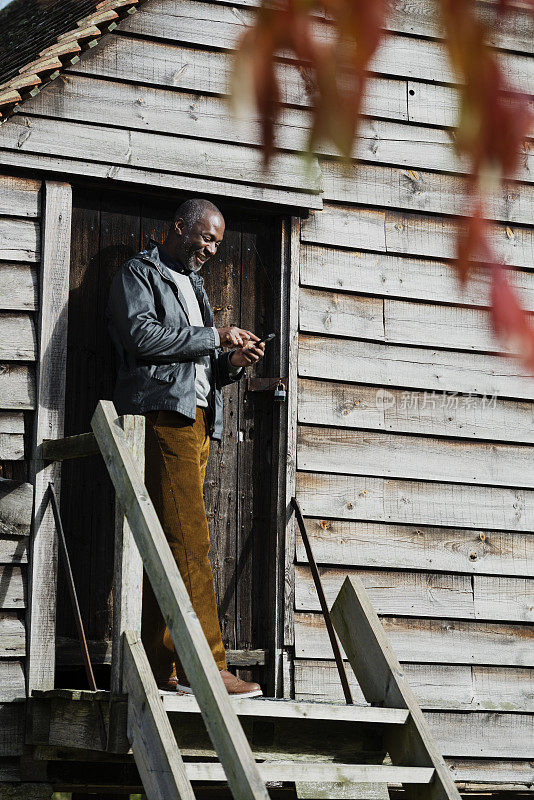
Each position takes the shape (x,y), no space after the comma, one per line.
(238,688)
(234,686)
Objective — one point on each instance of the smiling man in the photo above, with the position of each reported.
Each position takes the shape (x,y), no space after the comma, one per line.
(173,365)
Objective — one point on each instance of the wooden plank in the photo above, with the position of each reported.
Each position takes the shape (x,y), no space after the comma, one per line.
(220,720)
(484,735)
(432,104)
(436,686)
(369,544)
(414,502)
(12,635)
(12,446)
(152,151)
(19,239)
(154,747)
(17,386)
(423,191)
(398,55)
(12,681)
(13,587)
(418,18)
(347,451)
(413,367)
(160,110)
(17,337)
(306,790)
(382,681)
(209,71)
(68,653)
(411,57)
(11,422)
(495,773)
(433,236)
(292,770)
(445,326)
(340,314)
(83,444)
(432,640)
(402,276)
(16,500)
(18,287)
(72,722)
(398,321)
(411,234)
(514,31)
(14,550)
(128,566)
(19,197)
(54,291)
(497,689)
(287,709)
(511,598)
(165,180)
(291,446)
(420,594)
(427,594)
(12,729)
(347,405)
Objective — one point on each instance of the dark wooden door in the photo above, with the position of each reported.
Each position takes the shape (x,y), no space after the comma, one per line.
(241,282)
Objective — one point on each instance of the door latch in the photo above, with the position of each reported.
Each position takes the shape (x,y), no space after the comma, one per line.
(276,385)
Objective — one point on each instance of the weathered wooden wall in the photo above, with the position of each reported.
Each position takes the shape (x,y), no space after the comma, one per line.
(428,495)
(20,211)
(414,436)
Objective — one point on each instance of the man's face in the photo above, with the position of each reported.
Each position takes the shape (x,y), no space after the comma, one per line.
(201,240)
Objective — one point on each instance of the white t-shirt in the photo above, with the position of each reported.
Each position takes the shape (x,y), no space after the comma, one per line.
(202,364)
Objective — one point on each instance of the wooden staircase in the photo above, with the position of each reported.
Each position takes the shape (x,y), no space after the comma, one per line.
(350,751)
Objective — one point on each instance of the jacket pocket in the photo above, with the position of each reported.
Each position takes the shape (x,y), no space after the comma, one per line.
(165,372)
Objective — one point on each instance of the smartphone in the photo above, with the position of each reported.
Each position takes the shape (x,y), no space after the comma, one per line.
(266,339)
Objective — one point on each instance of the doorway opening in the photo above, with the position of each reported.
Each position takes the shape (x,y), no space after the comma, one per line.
(242,282)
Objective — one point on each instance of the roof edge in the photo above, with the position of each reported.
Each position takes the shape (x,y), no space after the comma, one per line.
(64,52)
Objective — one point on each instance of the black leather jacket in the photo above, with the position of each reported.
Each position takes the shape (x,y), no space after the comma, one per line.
(157,346)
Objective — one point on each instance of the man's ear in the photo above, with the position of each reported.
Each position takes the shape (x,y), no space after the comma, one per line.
(179,225)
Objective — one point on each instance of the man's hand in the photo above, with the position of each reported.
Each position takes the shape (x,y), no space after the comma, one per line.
(234,336)
(247,355)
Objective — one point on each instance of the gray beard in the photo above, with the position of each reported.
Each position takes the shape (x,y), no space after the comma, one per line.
(192,265)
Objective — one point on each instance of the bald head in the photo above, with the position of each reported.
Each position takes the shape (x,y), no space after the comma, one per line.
(196,234)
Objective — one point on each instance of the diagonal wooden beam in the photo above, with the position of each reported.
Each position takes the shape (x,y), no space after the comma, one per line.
(219,716)
(156,753)
(382,681)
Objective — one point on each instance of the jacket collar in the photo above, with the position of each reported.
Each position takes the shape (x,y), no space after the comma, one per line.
(152,255)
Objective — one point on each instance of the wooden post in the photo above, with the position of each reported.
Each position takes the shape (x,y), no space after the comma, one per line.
(48,424)
(382,681)
(154,746)
(219,717)
(291,453)
(128,565)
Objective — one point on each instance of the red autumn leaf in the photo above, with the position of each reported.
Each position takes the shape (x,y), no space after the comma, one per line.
(494,118)
(510,321)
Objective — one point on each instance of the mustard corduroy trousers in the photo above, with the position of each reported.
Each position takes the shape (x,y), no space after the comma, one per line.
(176,454)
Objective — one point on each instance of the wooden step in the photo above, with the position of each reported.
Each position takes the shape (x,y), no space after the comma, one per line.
(322,772)
(287,709)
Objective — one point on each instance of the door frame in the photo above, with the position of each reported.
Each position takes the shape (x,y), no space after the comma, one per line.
(279,667)
(53,315)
